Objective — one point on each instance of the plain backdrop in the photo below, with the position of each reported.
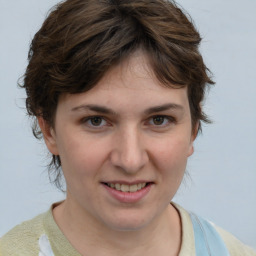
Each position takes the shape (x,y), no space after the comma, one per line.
(222,181)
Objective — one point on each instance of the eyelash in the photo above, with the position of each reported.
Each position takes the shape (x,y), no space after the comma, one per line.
(90,118)
(169,119)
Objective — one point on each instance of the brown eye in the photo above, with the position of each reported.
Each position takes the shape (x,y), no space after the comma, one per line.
(96,121)
(158,120)
(161,121)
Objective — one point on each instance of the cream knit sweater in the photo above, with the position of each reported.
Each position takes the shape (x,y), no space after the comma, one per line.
(23,240)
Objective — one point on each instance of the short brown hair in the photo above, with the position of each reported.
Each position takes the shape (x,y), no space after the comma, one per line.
(81,39)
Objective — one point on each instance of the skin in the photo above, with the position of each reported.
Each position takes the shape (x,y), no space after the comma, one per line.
(128,144)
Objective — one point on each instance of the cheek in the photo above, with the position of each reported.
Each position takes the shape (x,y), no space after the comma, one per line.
(82,156)
(171,156)
(171,163)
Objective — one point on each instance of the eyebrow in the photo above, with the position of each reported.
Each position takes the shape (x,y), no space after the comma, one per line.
(106,110)
(168,106)
(96,108)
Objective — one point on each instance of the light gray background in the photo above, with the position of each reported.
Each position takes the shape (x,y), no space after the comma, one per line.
(223,169)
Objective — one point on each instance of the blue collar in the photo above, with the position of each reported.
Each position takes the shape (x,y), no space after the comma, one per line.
(207,240)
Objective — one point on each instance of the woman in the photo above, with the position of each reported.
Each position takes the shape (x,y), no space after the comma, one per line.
(115,88)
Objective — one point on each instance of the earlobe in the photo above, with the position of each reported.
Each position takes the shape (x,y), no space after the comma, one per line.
(49,135)
(193,137)
(191,149)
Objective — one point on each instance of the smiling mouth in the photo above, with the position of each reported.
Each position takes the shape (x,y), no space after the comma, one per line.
(127,188)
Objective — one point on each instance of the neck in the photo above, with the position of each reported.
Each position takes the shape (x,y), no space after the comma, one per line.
(161,237)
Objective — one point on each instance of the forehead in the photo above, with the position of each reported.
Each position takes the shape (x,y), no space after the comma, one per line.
(131,84)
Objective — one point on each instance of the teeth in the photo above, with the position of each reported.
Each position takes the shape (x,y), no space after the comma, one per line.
(124,188)
(133,188)
(127,188)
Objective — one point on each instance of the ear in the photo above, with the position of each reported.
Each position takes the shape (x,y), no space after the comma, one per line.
(49,135)
(191,148)
(193,137)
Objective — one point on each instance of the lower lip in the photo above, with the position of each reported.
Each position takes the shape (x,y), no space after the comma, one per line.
(128,197)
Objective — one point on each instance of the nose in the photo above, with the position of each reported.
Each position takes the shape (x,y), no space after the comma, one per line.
(128,152)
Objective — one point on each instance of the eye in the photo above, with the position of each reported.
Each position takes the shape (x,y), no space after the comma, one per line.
(158,120)
(95,121)
(161,120)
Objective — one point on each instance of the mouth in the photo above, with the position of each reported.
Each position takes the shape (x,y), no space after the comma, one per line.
(128,188)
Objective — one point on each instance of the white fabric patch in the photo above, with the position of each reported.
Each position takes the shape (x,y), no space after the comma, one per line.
(45,247)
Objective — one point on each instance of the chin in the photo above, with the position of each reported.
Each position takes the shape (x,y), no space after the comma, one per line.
(128,221)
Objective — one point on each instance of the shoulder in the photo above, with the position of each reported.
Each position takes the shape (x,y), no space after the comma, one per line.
(235,246)
(23,239)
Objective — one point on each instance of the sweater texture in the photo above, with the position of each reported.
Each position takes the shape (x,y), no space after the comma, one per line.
(23,240)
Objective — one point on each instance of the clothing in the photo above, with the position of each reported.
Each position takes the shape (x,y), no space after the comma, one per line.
(24,239)
(208,241)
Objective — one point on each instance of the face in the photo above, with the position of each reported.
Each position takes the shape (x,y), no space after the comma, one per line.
(123,146)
